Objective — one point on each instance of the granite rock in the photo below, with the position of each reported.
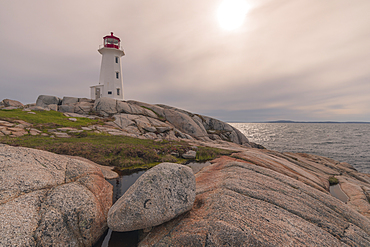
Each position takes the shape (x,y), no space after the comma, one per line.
(44,100)
(240,203)
(186,124)
(50,200)
(14,103)
(53,107)
(83,107)
(191,154)
(159,195)
(67,108)
(39,108)
(105,106)
(69,100)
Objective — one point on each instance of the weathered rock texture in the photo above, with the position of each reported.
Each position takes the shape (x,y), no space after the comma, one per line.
(159,195)
(165,122)
(50,200)
(146,121)
(266,198)
(45,100)
(14,103)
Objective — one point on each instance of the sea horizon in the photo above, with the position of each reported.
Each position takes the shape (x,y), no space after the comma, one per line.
(341,141)
(294,121)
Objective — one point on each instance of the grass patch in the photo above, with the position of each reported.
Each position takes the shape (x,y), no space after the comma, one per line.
(333,181)
(208,153)
(46,119)
(125,153)
(119,151)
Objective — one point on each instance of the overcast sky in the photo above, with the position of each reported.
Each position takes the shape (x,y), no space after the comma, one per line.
(290,59)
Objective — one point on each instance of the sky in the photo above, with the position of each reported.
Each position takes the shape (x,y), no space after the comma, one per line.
(303,60)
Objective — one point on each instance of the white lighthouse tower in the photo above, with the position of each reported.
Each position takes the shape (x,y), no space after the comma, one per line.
(111,79)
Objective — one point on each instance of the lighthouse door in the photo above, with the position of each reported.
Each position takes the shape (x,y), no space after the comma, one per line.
(97,93)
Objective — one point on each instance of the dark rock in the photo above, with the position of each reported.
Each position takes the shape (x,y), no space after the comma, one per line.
(255,145)
(44,100)
(69,100)
(67,108)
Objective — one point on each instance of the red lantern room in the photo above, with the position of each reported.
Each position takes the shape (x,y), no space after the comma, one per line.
(111,41)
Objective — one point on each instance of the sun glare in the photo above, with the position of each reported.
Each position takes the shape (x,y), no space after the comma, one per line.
(231,13)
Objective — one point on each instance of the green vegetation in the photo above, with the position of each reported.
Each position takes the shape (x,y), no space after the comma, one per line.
(333,181)
(125,153)
(119,151)
(207,153)
(104,149)
(46,119)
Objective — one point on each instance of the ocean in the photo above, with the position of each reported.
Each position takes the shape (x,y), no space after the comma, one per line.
(340,141)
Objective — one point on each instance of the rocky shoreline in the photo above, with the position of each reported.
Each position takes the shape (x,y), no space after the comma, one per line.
(256,197)
(132,118)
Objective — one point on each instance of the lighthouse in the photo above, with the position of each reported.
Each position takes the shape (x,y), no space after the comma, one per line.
(111,79)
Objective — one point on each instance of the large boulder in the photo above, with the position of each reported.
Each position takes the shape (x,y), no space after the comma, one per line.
(108,107)
(159,195)
(69,100)
(105,106)
(50,200)
(224,130)
(67,108)
(13,103)
(83,107)
(242,203)
(159,111)
(44,100)
(198,126)
(178,123)
(186,124)
(143,123)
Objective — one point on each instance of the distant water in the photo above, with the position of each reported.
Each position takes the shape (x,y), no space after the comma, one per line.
(343,142)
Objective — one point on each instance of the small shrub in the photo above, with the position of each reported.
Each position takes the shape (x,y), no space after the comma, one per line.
(168,158)
(333,181)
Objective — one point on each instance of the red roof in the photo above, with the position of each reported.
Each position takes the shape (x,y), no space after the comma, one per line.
(111,36)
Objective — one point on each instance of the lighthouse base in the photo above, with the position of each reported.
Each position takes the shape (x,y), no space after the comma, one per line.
(96,91)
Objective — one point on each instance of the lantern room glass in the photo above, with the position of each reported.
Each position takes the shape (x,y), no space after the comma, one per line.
(111,42)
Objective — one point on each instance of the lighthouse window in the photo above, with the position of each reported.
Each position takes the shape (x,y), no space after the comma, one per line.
(117,59)
(109,92)
(117,75)
(117,91)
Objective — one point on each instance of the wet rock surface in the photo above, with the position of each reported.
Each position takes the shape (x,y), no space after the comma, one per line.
(159,195)
(50,200)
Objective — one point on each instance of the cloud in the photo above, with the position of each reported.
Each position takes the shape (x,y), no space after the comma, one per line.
(294,59)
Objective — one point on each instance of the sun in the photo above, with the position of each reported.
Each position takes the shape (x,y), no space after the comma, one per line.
(231,14)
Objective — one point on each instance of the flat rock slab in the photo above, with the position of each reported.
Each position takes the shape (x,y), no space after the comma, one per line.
(159,195)
(191,154)
(242,204)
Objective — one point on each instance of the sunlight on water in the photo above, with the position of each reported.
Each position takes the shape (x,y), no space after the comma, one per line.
(343,142)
